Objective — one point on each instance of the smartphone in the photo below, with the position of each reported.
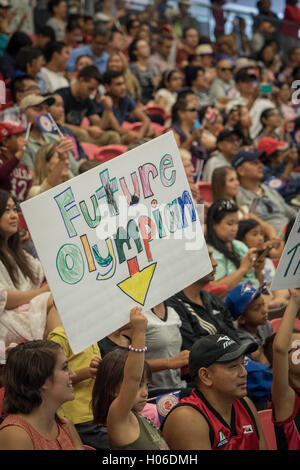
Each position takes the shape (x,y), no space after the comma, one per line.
(265,88)
(264,253)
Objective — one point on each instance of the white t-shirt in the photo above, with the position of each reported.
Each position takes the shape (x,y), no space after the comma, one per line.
(163,339)
(54,80)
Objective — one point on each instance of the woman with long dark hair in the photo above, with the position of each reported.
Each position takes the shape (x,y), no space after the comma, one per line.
(170,84)
(236,264)
(26,306)
(37,382)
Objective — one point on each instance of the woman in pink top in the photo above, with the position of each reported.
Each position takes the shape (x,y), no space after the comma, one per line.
(37,382)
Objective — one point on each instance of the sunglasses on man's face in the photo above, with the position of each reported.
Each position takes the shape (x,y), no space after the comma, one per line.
(224,69)
(192,110)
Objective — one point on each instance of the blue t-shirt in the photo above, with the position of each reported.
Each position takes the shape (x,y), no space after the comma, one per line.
(126,105)
(99,62)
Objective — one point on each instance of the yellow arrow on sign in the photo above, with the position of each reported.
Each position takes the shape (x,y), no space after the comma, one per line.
(137,285)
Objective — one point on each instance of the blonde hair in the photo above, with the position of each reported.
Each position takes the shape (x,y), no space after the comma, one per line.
(132,84)
(229,40)
(43,156)
(185,155)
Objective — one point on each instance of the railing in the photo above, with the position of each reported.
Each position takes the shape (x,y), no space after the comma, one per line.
(202,11)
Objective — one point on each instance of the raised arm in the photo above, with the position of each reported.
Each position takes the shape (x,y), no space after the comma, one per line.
(15,298)
(283,396)
(119,412)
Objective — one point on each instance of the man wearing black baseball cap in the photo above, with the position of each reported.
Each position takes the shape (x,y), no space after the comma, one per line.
(217,414)
(228,144)
(264,201)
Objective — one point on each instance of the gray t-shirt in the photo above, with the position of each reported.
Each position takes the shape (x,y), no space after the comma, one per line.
(220,89)
(271,207)
(163,339)
(215,161)
(263,332)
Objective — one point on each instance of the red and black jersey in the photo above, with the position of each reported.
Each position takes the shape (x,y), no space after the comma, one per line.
(242,434)
(288,431)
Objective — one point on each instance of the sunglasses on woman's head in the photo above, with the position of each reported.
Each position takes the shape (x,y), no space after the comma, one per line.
(226,204)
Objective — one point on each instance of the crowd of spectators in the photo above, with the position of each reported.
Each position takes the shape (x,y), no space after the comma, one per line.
(107,75)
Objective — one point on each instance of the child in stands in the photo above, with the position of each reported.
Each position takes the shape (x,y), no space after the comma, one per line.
(120,393)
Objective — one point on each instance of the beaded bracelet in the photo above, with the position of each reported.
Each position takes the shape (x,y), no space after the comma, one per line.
(141,350)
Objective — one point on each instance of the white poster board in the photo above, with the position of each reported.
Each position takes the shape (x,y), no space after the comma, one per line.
(287,274)
(125,233)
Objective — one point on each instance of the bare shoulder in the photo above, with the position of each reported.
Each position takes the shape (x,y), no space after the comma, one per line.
(186,428)
(73,431)
(15,438)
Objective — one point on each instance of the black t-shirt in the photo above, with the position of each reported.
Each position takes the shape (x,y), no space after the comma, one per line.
(76,109)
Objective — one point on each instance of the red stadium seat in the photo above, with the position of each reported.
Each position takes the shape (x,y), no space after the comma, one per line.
(268,428)
(91,150)
(132,126)
(108,152)
(154,109)
(217,290)
(205,191)
(158,128)
(136,126)
(275,322)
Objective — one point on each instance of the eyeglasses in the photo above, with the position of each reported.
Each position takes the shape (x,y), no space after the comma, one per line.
(192,110)
(224,69)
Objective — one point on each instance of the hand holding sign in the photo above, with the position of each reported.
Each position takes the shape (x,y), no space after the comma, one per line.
(287,274)
(126,233)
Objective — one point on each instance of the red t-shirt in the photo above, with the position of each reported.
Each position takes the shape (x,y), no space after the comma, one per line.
(288,432)
(291,14)
(14,177)
(242,434)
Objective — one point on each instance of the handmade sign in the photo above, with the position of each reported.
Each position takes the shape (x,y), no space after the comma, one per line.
(125,233)
(287,274)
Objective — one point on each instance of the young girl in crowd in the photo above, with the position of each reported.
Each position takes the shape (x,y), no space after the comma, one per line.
(184,118)
(236,263)
(37,381)
(26,306)
(120,393)
(139,52)
(286,378)
(117,61)
(51,166)
(167,89)
(251,233)
(225,185)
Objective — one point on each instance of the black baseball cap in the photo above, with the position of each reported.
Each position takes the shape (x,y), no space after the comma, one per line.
(227,133)
(217,348)
(244,76)
(245,156)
